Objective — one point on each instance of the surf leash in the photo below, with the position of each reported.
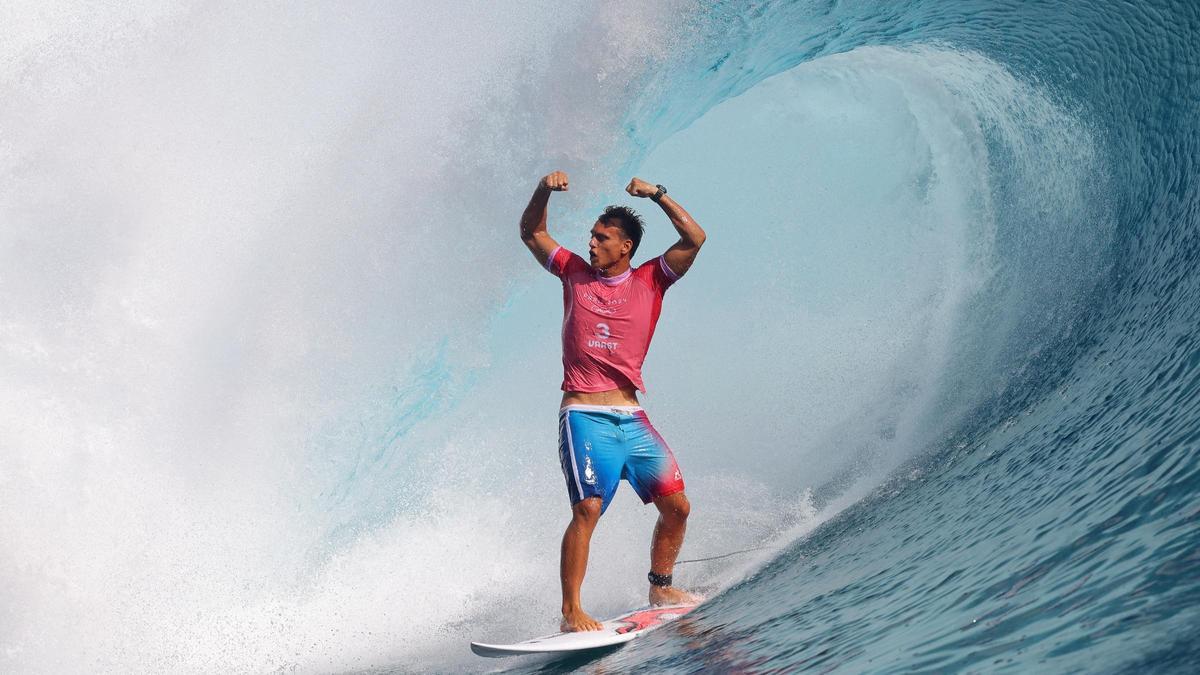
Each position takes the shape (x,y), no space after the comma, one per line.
(727,555)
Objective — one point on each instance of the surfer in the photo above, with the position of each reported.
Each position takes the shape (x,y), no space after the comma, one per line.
(610,311)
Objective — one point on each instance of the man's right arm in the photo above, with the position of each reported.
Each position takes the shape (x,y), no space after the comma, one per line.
(533,221)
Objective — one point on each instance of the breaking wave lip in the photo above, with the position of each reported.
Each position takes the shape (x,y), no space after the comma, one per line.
(962,286)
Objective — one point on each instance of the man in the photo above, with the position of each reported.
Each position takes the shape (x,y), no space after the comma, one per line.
(610,312)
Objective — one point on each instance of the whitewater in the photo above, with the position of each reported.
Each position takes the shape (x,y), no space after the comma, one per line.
(278,379)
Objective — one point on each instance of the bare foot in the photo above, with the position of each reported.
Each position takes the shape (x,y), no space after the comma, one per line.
(669,595)
(578,620)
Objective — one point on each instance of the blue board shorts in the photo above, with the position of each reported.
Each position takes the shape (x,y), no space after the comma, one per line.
(600,445)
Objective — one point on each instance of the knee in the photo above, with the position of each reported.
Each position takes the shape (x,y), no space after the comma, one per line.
(677,509)
(684,508)
(587,510)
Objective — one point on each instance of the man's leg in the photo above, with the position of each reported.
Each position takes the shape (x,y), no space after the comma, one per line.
(573,563)
(664,548)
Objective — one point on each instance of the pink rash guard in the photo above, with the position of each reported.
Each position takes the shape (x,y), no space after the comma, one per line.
(607,322)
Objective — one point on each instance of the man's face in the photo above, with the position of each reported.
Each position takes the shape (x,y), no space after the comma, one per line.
(608,245)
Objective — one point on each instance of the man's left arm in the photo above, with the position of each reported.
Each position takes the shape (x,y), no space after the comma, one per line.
(682,253)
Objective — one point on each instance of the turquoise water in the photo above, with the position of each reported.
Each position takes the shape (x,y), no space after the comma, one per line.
(279,379)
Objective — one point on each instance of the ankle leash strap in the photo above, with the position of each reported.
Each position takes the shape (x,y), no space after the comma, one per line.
(663,580)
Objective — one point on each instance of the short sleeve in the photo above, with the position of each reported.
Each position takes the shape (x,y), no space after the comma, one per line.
(664,276)
(656,274)
(562,262)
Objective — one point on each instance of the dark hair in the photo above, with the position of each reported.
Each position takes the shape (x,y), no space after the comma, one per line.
(628,220)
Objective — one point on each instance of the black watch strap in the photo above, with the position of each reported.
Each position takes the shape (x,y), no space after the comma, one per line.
(658,195)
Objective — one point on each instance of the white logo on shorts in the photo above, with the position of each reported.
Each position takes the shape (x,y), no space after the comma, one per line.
(589,476)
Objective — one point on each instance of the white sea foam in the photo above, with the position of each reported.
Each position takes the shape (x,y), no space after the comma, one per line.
(233,244)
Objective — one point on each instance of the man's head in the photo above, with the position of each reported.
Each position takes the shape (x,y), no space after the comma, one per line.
(615,237)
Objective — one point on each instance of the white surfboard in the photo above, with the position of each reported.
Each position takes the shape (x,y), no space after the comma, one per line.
(616,631)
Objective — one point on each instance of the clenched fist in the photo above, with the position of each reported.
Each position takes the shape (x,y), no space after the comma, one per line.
(640,188)
(556,181)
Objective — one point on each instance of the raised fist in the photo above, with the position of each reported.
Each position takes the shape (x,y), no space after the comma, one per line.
(556,181)
(640,188)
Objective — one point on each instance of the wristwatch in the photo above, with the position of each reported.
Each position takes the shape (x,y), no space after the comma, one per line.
(658,195)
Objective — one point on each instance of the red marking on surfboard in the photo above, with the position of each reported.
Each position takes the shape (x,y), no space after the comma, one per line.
(649,618)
